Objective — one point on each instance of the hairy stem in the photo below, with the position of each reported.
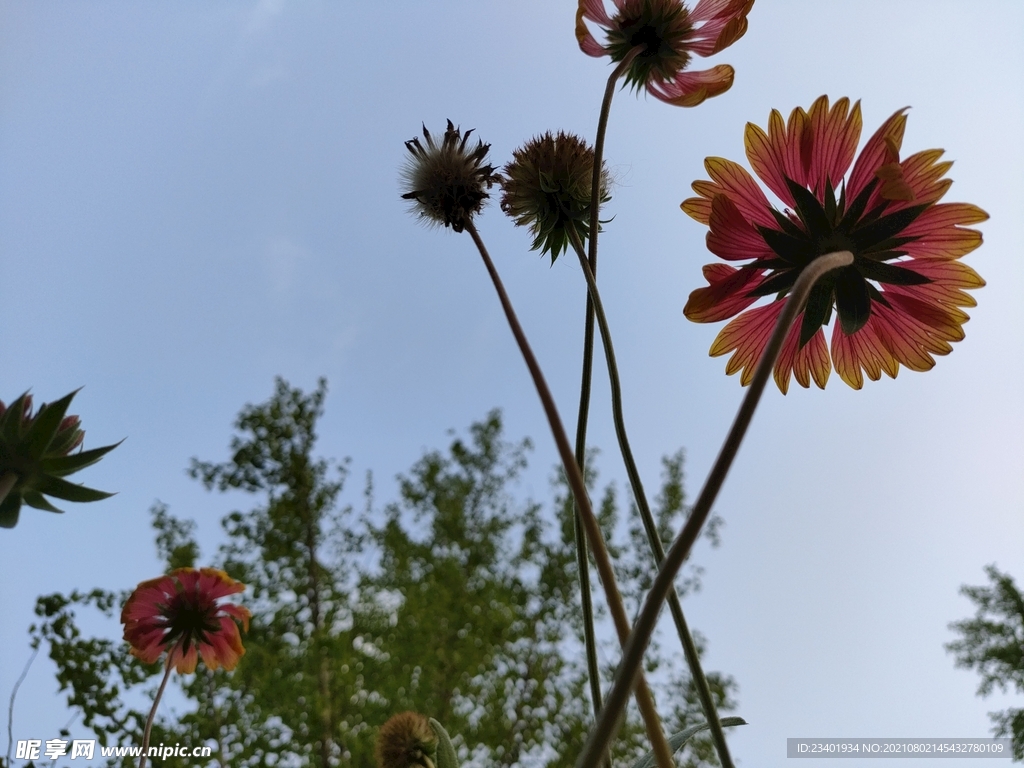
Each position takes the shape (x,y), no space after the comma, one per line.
(152,713)
(700,681)
(633,653)
(644,698)
(582,562)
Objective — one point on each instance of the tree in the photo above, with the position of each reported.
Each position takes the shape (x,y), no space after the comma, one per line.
(993,644)
(458,600)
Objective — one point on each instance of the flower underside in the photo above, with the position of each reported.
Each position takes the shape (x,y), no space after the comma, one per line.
(899,302)
(663,28)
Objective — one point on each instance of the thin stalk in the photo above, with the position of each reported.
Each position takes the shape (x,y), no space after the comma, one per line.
(644,699)
(152,713)
(633,653)
(14,693)
(582,562)
(700,681)
(7,481)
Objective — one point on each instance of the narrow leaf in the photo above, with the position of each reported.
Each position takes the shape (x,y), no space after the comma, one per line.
(47,422)
(62,489)
(445,750)
(61,466)
(677,740)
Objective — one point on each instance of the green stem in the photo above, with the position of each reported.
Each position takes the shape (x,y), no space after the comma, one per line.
(152,713)
(654,539)
(7,481)
(644,698)
(633,653)
(582,563)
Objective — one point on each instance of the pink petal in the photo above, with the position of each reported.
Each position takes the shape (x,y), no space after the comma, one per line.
(688,89)
(878,151)
(725,295)
(731,236)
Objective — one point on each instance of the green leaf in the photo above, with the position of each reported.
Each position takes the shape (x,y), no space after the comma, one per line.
(62,489)
(9,509)
(36,500)
(61,466)
(10,424)
(677,740)
(445,750)
(46,424)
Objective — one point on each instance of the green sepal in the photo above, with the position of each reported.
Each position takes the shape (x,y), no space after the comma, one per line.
(817,309)
(46,424)
(37,501)
(852,216)
(831,207)
(890,273)
(780,281)
(793,250)
(809,209)
(853,300)
(62,489)
(677,740)
(61,466)
(9,509)
(885,227)
(446,757)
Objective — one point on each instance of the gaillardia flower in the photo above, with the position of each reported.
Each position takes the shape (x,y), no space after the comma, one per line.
(898,303)
(407,740)
(179,613)
(447,181)
(547,186)
(670,34)
(36,455)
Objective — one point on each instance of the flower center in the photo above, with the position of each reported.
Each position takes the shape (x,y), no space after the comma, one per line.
(662,28)
(872,236)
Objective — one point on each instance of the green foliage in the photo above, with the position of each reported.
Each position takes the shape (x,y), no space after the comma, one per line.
(993,644)
(458,600)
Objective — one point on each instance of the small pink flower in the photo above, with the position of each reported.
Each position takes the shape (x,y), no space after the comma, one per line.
(179,613)
(671,34)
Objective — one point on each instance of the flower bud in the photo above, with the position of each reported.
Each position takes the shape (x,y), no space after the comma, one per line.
(406,740)
(547,187)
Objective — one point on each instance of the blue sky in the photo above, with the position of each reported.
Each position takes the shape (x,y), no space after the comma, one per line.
(195,198)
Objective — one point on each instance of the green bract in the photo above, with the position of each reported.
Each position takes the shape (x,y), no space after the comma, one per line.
(36,454)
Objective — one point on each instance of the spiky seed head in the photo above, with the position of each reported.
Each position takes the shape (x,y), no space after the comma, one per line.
(406,740)
(447,181)
(547,187)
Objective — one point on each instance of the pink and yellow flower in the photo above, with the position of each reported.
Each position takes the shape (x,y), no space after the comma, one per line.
(671,34)
(901,300)
(179,613)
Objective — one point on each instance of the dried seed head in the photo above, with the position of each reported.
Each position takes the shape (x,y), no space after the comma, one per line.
(406,740)
(447,181)
(547,187)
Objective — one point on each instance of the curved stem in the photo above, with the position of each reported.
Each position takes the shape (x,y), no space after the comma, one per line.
(632,655)
(644,699)
(653,538)
(152,713)
(582,563)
